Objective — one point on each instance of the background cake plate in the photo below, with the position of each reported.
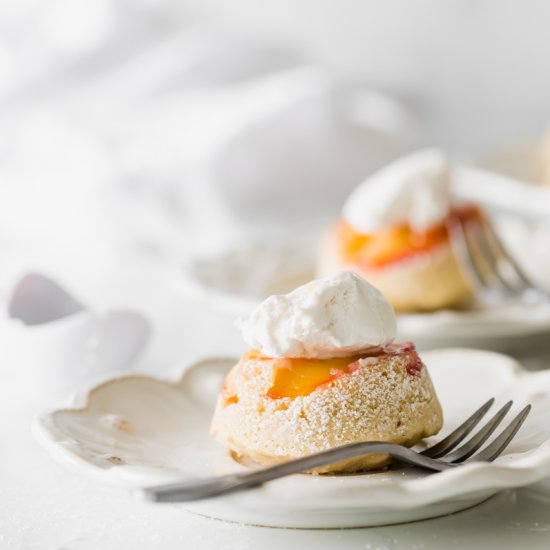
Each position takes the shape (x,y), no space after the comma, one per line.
(236,282)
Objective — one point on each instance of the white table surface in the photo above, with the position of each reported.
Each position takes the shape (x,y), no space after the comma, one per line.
(45,506)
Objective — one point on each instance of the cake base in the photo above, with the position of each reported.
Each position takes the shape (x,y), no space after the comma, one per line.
(387,397)
(424,282)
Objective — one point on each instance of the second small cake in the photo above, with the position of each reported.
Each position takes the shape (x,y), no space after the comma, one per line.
(394,231)
(323,372)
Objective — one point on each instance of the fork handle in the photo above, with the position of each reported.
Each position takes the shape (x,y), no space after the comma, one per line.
(215,486)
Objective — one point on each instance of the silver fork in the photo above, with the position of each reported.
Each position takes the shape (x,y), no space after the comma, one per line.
(492,271)
(429,459)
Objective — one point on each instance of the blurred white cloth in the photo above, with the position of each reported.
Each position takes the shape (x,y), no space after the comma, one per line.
(272,156)
(184,139)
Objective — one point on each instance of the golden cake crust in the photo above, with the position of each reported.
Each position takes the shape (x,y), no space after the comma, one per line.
(424,282)
(389,397)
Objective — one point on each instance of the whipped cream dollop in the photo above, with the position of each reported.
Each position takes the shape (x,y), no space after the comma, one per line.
(412,190)
(331,317)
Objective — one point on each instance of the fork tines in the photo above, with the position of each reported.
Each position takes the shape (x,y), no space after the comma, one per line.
(467,453)
(492,271)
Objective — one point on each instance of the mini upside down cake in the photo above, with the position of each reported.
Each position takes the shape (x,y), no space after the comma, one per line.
(324,373)
(395,232)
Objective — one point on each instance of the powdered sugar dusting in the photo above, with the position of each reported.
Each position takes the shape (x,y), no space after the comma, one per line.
(379,401)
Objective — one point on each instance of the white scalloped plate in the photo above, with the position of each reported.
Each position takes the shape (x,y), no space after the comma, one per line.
(137,431)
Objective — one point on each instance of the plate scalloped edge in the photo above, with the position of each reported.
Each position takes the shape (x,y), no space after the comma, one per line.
(523,466)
